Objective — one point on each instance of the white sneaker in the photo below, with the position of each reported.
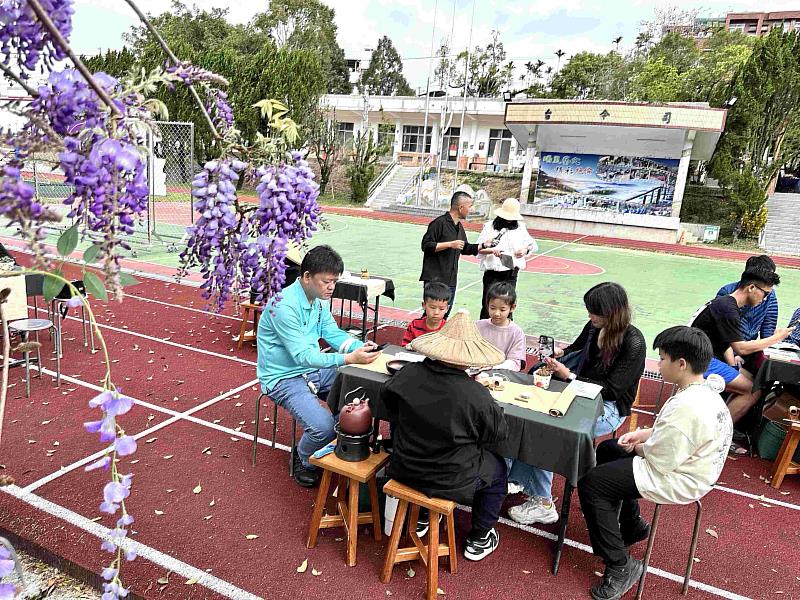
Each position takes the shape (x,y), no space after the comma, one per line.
(534,510)
(514,488)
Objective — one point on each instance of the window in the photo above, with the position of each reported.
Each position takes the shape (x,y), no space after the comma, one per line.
(499,146)
(412,138)
(386,135)
(346,132)
(449,150)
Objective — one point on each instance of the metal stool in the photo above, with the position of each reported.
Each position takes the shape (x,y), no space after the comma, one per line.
(274,432)
(24,327)
(653,525)
(54,312)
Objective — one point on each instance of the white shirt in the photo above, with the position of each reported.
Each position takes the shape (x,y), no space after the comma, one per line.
(685,454)
(512,241)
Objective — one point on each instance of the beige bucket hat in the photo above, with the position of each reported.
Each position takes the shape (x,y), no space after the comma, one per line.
(459,343)
(509,210)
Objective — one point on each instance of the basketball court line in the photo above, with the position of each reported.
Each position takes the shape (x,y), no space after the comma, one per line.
(171,564)
(181,416)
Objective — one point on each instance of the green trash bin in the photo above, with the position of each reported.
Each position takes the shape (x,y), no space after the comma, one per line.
(770,438)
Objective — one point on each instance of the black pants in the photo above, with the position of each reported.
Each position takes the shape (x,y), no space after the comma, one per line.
(609,497)
(489,496)
(492,277)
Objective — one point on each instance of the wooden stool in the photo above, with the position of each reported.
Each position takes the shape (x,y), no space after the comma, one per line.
(247,308)
(347,515)
(783,464)
(429,555)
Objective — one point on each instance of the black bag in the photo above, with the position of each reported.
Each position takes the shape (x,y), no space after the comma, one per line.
(66,292)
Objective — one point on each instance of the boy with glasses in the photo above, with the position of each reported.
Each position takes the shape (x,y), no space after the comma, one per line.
(720,319)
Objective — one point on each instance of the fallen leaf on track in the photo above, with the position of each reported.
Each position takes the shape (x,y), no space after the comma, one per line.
(198,489)
(712,533)
(303,567)
(251,536)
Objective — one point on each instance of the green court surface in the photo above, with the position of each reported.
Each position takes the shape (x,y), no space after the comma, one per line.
(664,289)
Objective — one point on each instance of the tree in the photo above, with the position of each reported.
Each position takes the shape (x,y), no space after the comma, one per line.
(668,16)
(761,130)
(656,81)
(616,42)
(559,54)
(445,73)
(587,75)
(384,76)
(488,73)
(361,168)
(309,25)
(677,51)
(116,63)
(325,143)
(722,56)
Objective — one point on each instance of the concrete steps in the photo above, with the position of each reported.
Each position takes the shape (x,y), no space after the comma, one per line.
(397,183)
(782,232)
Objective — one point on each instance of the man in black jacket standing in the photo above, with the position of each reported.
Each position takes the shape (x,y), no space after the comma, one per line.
(444,423)
(445,241)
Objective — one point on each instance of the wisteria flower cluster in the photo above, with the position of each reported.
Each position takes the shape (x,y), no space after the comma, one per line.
(245,247)
(22,34)
(114,404)
(8,591)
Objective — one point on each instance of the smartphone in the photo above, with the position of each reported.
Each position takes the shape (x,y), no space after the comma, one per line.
(547,346)
(380,347)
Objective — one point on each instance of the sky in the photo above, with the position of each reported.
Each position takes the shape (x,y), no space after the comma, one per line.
(529,30)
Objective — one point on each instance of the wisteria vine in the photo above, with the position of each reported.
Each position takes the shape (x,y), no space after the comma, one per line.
(95,124)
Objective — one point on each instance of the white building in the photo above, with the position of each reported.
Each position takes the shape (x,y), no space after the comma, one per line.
(478,140)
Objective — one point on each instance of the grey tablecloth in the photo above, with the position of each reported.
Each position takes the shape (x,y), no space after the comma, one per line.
(563,445)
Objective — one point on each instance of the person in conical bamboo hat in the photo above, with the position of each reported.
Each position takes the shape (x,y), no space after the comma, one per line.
(445,421)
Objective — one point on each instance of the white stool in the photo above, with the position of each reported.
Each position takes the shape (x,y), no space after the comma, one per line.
(24,327)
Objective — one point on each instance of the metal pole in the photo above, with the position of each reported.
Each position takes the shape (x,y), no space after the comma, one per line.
(446,117)
(427,100)
(152,200)
(464,94)
(191,170)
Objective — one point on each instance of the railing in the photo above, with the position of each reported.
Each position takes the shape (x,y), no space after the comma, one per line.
(378,181)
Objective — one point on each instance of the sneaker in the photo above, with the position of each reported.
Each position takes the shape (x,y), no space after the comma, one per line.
(304,476)
(478,548)
(534,510)
(424,523)
(631,534)
(514,488)
(618,580)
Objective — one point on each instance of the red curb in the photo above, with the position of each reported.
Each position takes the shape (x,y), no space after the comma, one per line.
(594,240)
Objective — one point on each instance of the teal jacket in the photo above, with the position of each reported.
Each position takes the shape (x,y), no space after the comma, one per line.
(288,338)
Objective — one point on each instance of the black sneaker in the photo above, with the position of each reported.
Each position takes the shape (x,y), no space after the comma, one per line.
(424,524)
(304,476)
(631,534)
(478,548)
(618,580)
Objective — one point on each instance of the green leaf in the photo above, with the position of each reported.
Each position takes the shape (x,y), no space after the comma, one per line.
(95,286)
(91,253)
(126,279)
(52,286)
(68,241)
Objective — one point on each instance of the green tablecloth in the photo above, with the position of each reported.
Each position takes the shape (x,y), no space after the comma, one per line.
(564,445)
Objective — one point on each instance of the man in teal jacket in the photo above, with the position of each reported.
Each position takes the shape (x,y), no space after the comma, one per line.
(291,367)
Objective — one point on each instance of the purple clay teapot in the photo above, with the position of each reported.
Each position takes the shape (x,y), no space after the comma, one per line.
(356,418)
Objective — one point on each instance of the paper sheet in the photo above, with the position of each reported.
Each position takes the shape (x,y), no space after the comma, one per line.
(555,404)
(379,364)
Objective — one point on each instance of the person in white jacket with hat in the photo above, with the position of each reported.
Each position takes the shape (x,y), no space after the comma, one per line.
(508,234)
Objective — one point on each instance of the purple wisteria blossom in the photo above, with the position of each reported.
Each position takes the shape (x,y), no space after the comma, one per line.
(23,36)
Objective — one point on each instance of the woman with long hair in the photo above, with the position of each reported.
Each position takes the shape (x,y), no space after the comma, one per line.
(511,242)
(609,352)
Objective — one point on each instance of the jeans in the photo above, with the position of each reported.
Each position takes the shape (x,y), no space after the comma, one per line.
(294,395)
(489,497)
(609,497)
(538,482)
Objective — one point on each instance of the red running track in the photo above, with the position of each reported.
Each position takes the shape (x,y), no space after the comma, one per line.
(193,430)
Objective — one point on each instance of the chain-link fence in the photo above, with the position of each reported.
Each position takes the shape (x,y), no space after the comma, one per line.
(171,167)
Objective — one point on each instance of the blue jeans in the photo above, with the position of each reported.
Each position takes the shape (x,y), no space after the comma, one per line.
(294,395)
(538,482)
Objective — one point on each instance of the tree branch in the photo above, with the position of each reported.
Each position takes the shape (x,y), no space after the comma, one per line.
(11,75)
(42,15)
(176,62)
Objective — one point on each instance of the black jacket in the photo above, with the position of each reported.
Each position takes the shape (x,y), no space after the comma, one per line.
(444,419)
(443,266)
(620,379)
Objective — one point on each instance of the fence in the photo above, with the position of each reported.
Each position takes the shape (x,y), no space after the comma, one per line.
(170,166)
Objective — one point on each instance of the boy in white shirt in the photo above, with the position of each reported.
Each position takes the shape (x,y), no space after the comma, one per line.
(676,462)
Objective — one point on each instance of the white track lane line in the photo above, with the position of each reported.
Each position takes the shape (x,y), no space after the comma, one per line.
(181,416)
(650,569)
(170,342)
(197,310)
(178,567)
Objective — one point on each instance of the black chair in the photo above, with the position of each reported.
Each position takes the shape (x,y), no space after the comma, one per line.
(274,432)
(34,287)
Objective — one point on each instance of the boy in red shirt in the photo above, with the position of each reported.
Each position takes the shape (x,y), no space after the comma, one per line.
(435,297)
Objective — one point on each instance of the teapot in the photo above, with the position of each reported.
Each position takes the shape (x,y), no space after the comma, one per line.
(356,418)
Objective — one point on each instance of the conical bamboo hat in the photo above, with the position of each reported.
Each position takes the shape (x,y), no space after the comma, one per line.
(459,343)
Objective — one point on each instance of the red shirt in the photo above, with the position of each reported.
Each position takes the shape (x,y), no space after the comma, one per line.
(416,328)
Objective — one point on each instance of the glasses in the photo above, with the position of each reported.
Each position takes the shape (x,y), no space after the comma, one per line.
(760,289)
